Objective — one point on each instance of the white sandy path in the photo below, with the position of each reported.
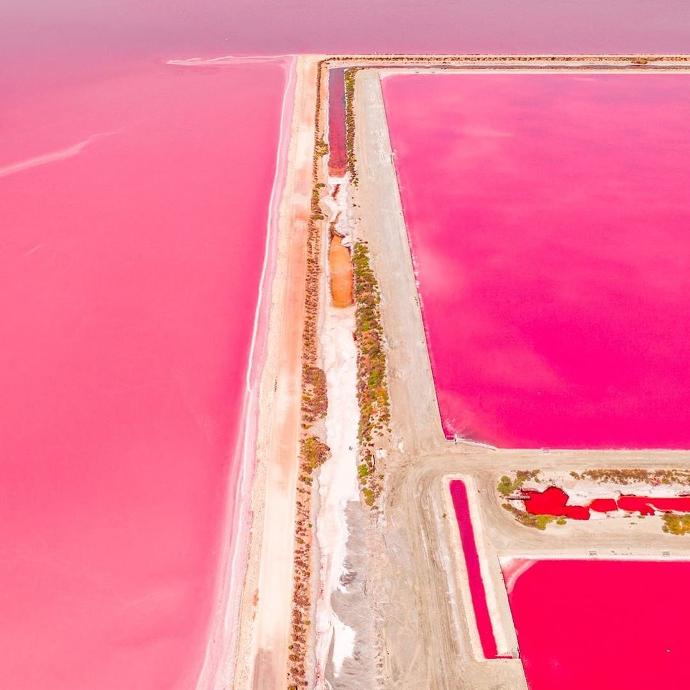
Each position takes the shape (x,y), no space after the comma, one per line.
(337,484)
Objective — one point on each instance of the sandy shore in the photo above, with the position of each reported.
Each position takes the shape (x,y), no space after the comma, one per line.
(217,669)
(337,487)
(261,659)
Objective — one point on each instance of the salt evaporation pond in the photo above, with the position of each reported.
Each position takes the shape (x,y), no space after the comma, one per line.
(548,216)
(337,148)
(458,492)
(555,501)
(134,213)
(601,624)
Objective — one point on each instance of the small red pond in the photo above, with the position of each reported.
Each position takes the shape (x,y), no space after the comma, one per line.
(554,501)
(601,625)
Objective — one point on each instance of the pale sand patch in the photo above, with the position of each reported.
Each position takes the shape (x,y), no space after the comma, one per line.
(513,568)
(337,482)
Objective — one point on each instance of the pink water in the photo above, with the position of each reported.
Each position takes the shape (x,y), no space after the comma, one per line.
(601,624)
(134,216)
(548,216)
(133,201)
(337,158)
(458,492)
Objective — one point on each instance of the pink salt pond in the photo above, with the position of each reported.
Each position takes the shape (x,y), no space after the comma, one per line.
(337,153)
(458,492)
(601,624)
(133,213)
(548,217)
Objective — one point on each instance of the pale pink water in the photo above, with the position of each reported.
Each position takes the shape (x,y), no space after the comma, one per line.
(550,226)
(130,269)
(601,624)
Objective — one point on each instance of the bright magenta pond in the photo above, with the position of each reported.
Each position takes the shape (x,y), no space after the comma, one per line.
(458,492)
(601,624)
(550,226)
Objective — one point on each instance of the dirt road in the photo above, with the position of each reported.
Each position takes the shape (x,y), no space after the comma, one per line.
(266,607)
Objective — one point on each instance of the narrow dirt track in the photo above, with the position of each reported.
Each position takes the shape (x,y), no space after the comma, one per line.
(267,601)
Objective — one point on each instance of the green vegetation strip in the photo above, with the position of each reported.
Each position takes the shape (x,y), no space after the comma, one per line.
(314,404)
(372,386)
(314,395)
(628,476)
(350,75)
(529,520)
